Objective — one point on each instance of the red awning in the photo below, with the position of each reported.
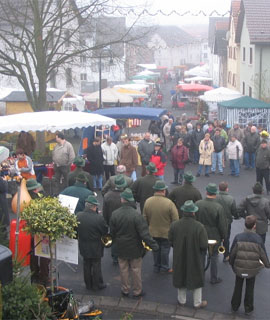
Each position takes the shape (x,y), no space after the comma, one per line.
(194,87)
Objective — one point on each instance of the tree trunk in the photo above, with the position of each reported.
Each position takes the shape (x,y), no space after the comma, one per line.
(40,141)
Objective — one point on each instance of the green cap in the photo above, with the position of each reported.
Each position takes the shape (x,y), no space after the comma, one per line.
(79,161)
(189,206)
(160,185)
(212,188)
(81,177)
(120,182)
(188,176)
(127,195)
(151,167)
(92,199)
(32,184)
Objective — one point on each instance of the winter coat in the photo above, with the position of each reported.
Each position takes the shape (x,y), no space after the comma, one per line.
(228,204)
(167,129)
(91,228)
(257,205)
(63,155)
(219,143)
(4,215)
(111,202)
(188,238)
(128,229)
(234,150)
(159,159)
(145,150)
(110,153)
(196,138)
(211,132)
(179,156)
(263,158)
(182,135)
(159,213)
(73,175)
(78,190)
(212,216)
(94,155)
(251,142)
(142,189)
(238,133)
(174,124)
(246,252)
(181,194)
(129,158)
(110,185)
(206,152)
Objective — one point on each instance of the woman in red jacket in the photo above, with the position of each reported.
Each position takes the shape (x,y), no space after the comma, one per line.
(160,160)
(179,158)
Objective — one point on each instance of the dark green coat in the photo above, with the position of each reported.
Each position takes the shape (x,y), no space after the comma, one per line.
(128,228)
(111,202)
(78,190)
(180,195)
(212,216)
(73,175)
(188,238)
(91,228)
(142,189)
(228,204)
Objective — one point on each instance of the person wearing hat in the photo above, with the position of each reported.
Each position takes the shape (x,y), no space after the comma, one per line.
(258,206)
(142,188)
(34,188)
(145,150)
(159,159)
(159,213)
(189,240)
(196,137)
(80,163)
(110,155)
(128,230)
(211,214)
(129,158)
(91,228)
(78,190)
(111,202)
(262,162)
(110,184)
(181,194)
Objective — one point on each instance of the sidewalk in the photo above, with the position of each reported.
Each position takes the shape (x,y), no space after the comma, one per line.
(114,308)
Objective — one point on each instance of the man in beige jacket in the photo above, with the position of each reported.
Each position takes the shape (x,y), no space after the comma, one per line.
(159,213)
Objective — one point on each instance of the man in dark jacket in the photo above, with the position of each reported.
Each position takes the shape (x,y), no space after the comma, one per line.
(196,137)
(188,238)
(78,190)
(142,188)
(91,228)
(80,163)
(128,230)
(217,155)
(229,206)
(258,206)
(212,216)
(181,194)
(248,256)
(145,149)
(251,143)
(263,164)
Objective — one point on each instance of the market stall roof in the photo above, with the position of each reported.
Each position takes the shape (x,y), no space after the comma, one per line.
(144,77)
(108,95)
(132,113)
(194,87)
(149,66)
(220,94)
(132,93)
(149,73)
(51,121)
(20,96)
(245,103)
(132,86)
(193,79)
(200,71)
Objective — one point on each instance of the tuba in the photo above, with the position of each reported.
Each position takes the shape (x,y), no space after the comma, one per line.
(107,240)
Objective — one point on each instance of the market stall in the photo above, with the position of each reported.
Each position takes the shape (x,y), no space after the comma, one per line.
(191,92)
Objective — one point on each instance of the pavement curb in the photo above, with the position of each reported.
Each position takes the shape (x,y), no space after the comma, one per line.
(153,308)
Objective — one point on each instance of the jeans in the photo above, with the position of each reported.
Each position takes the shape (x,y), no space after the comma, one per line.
(97,181)
(250,159)
(226,241)
(213,265)
(196,156)
(134,175)
(217,160)
(207,169)
(235,167)
(109,171)
(161,257)
(263,174)
(160,177)
(249,294)
(178,173)
(197,296)
(263,236)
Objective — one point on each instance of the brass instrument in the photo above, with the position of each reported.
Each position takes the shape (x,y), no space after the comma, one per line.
(146,247)
(211,245)
(107,240)
(221,249)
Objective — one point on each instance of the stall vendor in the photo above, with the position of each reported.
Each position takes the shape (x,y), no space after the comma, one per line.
(24,165)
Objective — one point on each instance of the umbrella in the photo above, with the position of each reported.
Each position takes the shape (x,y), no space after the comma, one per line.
(4,153)
(51,121)
(108,95)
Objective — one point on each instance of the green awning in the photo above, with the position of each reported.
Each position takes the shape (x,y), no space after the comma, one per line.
(244,103)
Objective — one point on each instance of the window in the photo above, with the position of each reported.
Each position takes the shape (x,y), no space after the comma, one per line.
(83,76)
(234,80)
(250,55)
(250,92)
(82,59)
(68,77)
(205,55)
(244,54)
(234,53)
(243,88)
(229,77)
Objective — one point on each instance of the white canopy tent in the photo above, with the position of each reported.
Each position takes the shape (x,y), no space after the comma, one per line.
(220,94)
(198,79)
(109,95)
(132,86)
(199,71)
(148,66)
(51,121)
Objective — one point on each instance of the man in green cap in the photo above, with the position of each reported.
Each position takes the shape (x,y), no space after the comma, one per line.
(181,194)
(211,215)
(188,238)
(78,190)
(128,230)
(112,201)
(91,228)
(80,163)
(142,188)
(159,213)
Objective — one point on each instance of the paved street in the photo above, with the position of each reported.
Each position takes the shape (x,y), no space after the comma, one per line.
(159,287)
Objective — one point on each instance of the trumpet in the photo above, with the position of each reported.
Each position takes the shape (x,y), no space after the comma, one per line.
(211,245)
(146,247)
(107,240)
